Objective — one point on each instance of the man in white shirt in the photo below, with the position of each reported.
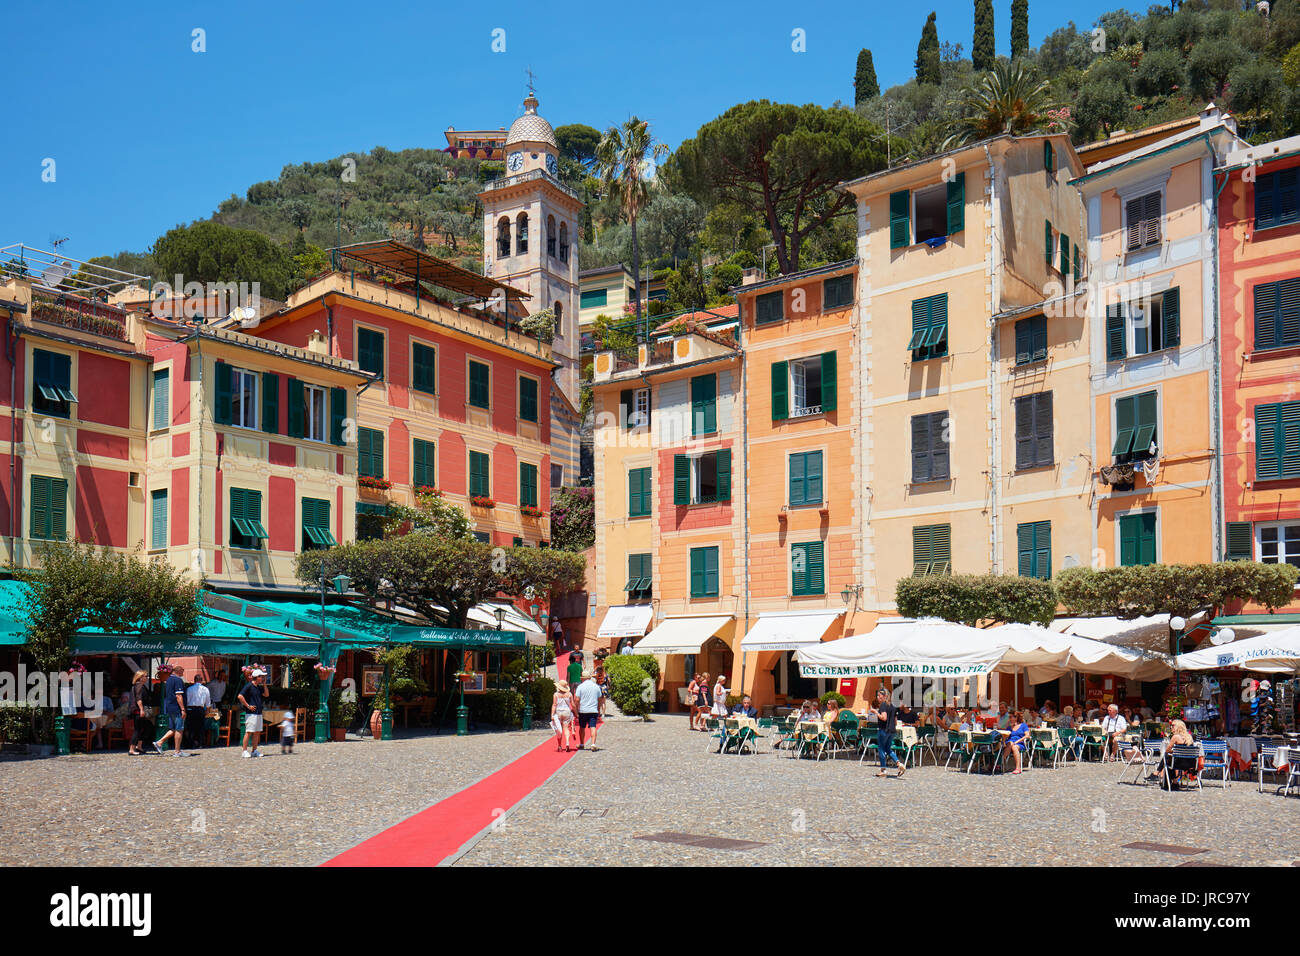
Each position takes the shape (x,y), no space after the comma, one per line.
(1112,725)
(1145,712)
(589,697)
(217,688)
(197,701)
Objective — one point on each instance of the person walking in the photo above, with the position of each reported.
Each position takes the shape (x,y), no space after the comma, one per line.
(588,709)
(886,713)
(287,733)
(173,710)
(563,707)
(250,699)
(702,699)
(197,701)
(602,679)
(693,695)
(573,673)
(719,708)
(141,713)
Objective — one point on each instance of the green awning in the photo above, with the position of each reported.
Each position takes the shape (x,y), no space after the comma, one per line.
(250,643)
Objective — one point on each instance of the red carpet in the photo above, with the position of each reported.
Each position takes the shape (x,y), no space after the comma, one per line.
(432,835)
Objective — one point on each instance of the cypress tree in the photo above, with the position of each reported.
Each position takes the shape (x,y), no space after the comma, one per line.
(1019,28)
(982,50)
(865,85)
(927,52)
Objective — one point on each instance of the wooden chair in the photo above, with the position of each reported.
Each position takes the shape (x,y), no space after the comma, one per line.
(80,732)
(225,728)
(300,724)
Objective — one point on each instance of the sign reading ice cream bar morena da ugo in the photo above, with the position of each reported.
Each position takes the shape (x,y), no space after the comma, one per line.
(897,669)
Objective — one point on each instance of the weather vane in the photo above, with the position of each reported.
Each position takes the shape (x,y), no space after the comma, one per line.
(532,80)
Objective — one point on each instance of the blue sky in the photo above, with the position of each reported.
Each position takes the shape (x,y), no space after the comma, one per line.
(145,133)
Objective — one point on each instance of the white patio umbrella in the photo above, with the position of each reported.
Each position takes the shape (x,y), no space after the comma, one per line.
(921,648)
(1271,653)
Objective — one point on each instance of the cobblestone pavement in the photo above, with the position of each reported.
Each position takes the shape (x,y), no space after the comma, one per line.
(104,809)
(656,777)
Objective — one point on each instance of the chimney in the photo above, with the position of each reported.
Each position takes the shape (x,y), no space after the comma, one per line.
(751,275)
(316,343)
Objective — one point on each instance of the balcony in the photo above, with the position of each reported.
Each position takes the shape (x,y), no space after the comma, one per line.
(75,312)
(529,176)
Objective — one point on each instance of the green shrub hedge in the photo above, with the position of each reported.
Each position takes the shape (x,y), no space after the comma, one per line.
(631,685)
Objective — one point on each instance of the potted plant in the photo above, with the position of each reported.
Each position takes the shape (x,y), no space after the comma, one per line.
(369,483)
(427,491)
(482,501)
(531,511)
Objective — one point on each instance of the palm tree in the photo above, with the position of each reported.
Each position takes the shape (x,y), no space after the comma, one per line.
(1007,99)
(622,157)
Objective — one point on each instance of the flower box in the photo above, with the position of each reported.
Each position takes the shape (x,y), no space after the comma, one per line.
(482,501)
(367,483)
(528,511)
(427,491)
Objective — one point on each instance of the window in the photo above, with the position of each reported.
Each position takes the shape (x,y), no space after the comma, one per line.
(1279,543)
(807,568)
(338,414)
(480,483)
(527,398)
(162,380)
(837,293)
(929,328)
(424,373)
(370,453)
(564,242)
(1034,439)
(900,220)
(702,479)
(527,485)
(1049,238)
(157,520)
(370,520)
(243,398)
(930,458)
(1034,546)
(1142,222)
(370,351)
(1144,325)
(704,404)
(1135,427)
(1277,199)
(1031,340)
(804,386)
(704,572)
(423,464)
(1064,267)
(769,307)
(931,549)
(806,478)
(1277,441)
(594,298)
(314,412)
(482,537)
(479,391)
(557,476)
(503,237)
(1137,539)
(1049,156)
(638,493)
(48,508)
(1277,314)
(931,213)
(550,236)
(246,528)
(52,383)
(634,407)
(640,580)
(521,234)
(1238,541)
(316,524)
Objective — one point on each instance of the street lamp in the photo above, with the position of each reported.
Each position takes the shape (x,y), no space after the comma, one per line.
(850,593)
(1177,625)
(341,583)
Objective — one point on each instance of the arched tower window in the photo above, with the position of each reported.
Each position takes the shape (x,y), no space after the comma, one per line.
(558,308)
(550,236)
(564,242)
(521,233)
(503,237)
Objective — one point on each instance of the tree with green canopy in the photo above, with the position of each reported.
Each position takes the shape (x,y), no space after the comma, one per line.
(972,599)
(1007,99)
(927,52)
(1177,589)
(578,142)
(865,84)
(784,163)
(670,226)
(983,49)
(210,252)
(1019,28)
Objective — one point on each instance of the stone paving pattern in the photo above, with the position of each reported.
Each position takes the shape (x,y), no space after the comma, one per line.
(110,809)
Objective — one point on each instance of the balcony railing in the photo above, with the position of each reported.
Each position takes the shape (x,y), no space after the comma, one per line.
(74,312)
(529,177)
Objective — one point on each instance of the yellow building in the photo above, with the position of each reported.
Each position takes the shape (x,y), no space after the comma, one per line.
(1151,248)
(608,290)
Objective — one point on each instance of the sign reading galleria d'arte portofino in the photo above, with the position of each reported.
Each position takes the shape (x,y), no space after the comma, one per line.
(913,669)
(455,637)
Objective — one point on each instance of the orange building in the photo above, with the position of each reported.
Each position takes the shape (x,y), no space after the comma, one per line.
(1259,294)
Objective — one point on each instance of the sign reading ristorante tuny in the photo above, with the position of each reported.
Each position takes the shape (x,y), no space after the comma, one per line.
(183,644)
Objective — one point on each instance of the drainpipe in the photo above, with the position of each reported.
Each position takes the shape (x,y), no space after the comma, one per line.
(1216,377)
(198,342)
(11,341)
(995,411)
(744,458)
(329,328)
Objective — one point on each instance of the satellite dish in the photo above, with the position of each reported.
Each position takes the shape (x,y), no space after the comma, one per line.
(56,273)
(247,316)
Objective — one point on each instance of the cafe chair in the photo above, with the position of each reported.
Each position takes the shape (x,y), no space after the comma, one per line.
(715,731)
(1144,760)
(1293,769)
(812,740)
(1265,761)
(226,727)
(957,751)
(1071,746)
(866,740)
(1182,752)
(81,733)
(1215,762)
(925,740)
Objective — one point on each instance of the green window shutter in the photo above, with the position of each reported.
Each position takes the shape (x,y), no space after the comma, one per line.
(704,572)
(941,545)
(423,369)
(681,480)
(936,339)
(594,298)
(370,453)
(704,410)
(377,453)
(527,484)
(724,474)
(1038,331)
(798,480)
(221,411)
(1049,157)
(1266,314)
(1065,254)
(479,395)
(338,412)
(157,520)
(1025,550)
(39,508)
(162,398)
(1116,347)
(479,482)
(900,220)
(1078,272)
(780,391)
(957,204)
(920,326)
(807,568)
(1288,430)
(922,550)
(1288,196)
(296,397)
(59,509)
(370,351)
(1043,550)
(813,476)
(528,399)
(1146,433)
(1125,425)
(1147,539)
(363,453)
(829,374)
(769,307)
(1047,239)
(1268,462)
(922,449)
(1170,320)
(1265,201)
(1128,540)
(1024,343)
(1240,541)
(423,472)
(638,492)
(1026,451)
(270,403)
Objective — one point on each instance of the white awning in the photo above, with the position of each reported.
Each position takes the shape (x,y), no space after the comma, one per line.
(484,616)
(681,635)
(907,648)
(626,620)
(1278,652)
(788,630)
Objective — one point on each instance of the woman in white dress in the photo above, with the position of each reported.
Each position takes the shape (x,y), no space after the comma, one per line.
(562,709)
(719,708)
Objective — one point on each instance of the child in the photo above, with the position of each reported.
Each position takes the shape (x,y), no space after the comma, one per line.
(286,733)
